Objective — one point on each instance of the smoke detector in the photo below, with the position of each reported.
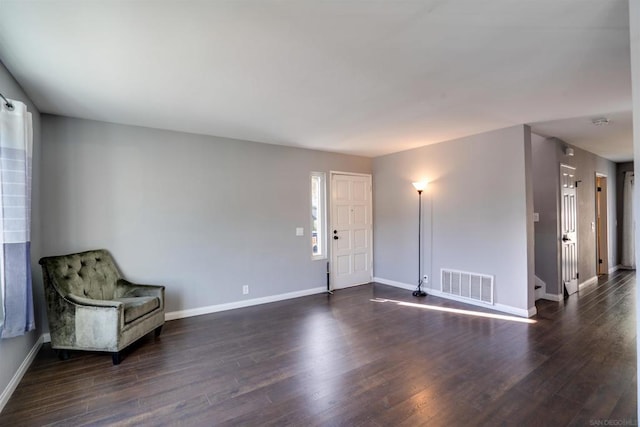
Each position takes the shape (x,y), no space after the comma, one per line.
(601,121)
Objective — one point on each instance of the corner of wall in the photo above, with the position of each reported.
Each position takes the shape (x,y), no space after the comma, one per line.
(528,171)
(5,395)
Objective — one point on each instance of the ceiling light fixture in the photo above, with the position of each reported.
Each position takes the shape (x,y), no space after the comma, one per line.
(600,121)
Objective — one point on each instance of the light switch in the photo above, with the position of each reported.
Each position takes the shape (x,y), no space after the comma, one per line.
(536,217)
(299,231)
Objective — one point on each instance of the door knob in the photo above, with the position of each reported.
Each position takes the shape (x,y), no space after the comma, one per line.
(565,238)
(335,237)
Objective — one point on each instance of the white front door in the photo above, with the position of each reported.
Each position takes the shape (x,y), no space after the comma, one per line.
(351,230)
(569,228)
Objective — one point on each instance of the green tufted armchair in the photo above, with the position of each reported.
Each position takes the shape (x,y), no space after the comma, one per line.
(90,307)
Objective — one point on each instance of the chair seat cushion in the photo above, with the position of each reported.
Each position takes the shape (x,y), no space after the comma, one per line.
(137,307)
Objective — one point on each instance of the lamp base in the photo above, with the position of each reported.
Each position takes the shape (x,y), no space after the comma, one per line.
(419,294)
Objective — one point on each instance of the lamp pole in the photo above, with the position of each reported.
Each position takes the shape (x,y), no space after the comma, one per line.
(419,187)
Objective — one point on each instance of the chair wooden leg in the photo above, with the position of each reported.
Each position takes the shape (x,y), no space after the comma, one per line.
(158,331)
(116,358)
(63,354)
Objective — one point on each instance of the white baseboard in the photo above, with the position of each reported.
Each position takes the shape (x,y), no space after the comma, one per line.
(553,297)
(498,307)
(11,387)
(588,282)
(615,268)
(541,288)
(180,314)
(538,294)
(46,337)
(395,284)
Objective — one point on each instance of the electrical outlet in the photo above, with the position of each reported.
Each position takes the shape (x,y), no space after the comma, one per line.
(425,279)
(245,290)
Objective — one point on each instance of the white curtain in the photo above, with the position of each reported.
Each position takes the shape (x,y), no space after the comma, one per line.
(16,299)
(628,224)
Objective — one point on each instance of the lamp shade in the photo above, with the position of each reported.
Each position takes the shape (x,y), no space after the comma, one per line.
(420,185)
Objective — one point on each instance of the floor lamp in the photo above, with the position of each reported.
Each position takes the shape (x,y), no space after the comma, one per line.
(420,186)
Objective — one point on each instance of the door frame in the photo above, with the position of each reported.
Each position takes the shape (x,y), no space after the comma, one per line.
(332,173)
(602,233)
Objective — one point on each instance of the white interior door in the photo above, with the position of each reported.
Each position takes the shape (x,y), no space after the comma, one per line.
(569,228)
(602,236)
(351,230)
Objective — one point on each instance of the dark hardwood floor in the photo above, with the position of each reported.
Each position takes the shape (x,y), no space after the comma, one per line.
(354,359)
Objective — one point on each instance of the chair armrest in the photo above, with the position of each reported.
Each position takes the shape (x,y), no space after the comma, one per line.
(126,289)
(93,302)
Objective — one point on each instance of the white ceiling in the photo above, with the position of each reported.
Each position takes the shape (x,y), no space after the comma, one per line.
(361,77)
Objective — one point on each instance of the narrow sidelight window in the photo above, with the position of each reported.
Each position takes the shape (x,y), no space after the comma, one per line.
(318,216)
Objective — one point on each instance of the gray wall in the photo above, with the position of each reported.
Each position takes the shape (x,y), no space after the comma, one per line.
(475,212)
(546,190)
(14,350)
(548,154)
(587,165)
(201,215)
(621,168)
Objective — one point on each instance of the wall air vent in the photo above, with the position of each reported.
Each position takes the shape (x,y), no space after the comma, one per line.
(473,286)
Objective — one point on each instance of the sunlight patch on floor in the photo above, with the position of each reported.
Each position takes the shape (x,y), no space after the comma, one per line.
(456,311)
